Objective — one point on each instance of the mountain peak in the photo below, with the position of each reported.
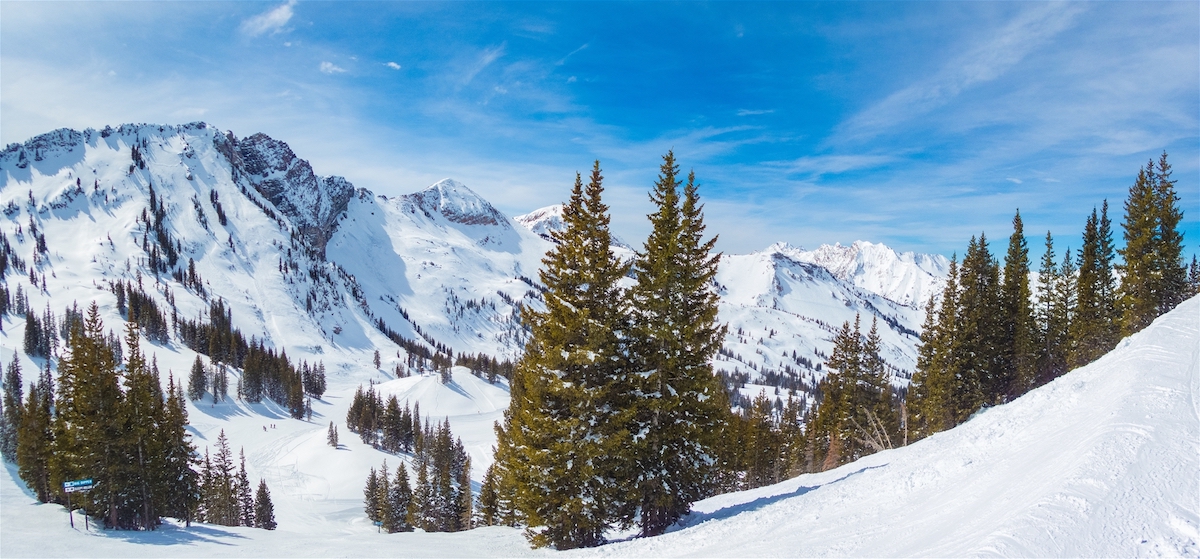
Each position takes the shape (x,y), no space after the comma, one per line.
(457,203)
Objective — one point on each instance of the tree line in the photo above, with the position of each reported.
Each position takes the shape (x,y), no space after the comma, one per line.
(994,337)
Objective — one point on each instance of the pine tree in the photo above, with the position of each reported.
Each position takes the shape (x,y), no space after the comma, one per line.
(371,496)
(1094,326)
(332,437)
(1169,255)
(244,496)
(10,418)
(489,499)
(143,417)
(980,381)
(1019,334)
(559,445)
(89,435)
(197,381)
(1051,318)
(35,442)
(181,482)
(399,503)
(675,335)
(264,511)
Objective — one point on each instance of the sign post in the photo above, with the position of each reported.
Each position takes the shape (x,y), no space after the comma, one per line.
(70,487)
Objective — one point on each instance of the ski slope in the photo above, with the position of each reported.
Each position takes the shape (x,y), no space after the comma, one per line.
(1104,461)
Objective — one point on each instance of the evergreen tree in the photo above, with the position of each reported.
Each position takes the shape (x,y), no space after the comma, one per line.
(560,445)
(399,499)
(1050,318)
(264,511)
(980,381)
(1155,279)
(332,437)
(1170,251)
(1094,329)
(371,495)
(675,336)
(10,417)
(1019,334)
(143,418)
(489,499)
(90,440)
(244,495)
(35,442)
(939,361)
(197,381)
(181,482)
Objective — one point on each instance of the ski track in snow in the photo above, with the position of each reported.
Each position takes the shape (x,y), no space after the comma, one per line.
(1102,462)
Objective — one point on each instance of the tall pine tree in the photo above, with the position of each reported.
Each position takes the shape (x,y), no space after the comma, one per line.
(1020,349)
(563,428)
(676,334)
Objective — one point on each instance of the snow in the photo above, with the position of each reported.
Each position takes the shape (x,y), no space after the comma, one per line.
(1101,462)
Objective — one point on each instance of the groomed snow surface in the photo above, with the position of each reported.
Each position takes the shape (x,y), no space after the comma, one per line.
(1103,462)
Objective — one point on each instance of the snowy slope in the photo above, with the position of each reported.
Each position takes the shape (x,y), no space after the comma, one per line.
(1102,462)
(1099,463)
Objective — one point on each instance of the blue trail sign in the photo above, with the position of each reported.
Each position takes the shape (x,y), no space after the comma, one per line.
(77,485)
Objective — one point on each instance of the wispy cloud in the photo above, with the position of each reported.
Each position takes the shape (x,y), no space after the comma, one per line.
(818,165)
(393,65)
(271,21)
(982,62)
(483,60)
(331,68)
(1014,180)
(753,112)
(570,54)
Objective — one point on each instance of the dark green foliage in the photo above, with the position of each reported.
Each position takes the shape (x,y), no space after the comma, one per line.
(35,442)
(264,511)
(1020,344)
(1052,316)
(675,334)
(197,381)
(143,311)
(399,502)
(389,427)
(1155,274)
(559,456)
(332,436)
(219,502)
(1093,329)
(131,439)
(10,409)
(855,415)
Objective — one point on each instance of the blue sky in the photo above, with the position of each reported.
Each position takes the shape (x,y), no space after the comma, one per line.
(916,124)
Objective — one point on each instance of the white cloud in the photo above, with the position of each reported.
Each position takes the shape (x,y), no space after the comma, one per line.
(752,112)
(393,65)
(1014,181)
(835,164)
(271,21)
(570,54)
(983,62)
(485,59)
(571,79)
(331,68)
